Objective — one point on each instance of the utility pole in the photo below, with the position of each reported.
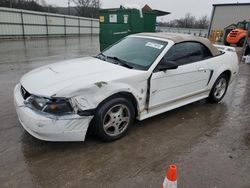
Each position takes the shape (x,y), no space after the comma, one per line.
(68,7)
(10,3)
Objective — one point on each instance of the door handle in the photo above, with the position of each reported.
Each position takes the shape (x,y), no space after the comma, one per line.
(201,69)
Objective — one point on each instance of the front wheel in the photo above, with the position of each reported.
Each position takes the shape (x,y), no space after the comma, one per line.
(113,119)
(219,89)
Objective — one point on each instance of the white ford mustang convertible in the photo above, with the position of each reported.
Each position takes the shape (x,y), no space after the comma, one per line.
(139,77)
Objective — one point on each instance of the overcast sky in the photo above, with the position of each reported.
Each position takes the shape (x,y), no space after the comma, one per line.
(178,8)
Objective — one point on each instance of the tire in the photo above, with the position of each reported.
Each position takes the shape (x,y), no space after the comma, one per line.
(113,119)
(219,89)
(240,43)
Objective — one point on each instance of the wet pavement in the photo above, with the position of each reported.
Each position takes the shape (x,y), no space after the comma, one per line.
(210,143)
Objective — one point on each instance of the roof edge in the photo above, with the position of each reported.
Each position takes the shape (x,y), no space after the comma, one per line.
(161,12)
(231,4)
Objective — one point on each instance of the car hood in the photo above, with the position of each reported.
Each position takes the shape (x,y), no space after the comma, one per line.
(50,79)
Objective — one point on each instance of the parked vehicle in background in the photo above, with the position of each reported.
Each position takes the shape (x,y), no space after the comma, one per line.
(139,77)
(238,36)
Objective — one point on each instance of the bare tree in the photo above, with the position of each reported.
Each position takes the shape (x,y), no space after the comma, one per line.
(188,21)
(22,4)
(88,8)
(96,4)
(6,3)
(202,23)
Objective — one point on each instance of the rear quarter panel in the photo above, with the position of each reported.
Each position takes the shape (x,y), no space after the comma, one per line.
(228,61)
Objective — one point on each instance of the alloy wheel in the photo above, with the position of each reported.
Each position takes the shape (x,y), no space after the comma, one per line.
(220,88)
(116,120)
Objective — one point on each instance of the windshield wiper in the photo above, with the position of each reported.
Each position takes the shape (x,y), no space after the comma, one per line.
(101,56)
(121,62)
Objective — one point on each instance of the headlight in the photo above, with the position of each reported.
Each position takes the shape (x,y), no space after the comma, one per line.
(55,106)
(38,102)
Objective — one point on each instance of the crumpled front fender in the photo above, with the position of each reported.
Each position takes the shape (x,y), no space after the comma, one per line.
(90,97)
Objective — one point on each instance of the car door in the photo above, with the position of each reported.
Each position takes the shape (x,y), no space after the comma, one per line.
(190,78)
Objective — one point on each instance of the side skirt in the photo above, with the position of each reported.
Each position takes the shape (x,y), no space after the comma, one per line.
(155,110)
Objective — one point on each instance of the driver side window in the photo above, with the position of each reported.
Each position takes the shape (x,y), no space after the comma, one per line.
(184,53)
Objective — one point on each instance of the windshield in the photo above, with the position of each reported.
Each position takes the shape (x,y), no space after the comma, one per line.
(138,53)
(242,25)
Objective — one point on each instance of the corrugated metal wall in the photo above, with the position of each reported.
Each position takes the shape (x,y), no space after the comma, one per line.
(225,15)
(22,23)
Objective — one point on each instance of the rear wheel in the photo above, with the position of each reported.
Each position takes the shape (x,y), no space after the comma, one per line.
(219,89)
(113,119)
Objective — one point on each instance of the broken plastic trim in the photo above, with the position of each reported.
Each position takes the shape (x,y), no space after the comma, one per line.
(24,93)
(89,112)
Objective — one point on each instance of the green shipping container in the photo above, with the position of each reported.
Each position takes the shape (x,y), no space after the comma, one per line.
(116,24)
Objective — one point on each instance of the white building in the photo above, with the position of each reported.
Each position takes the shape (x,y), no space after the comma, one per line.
(225,15)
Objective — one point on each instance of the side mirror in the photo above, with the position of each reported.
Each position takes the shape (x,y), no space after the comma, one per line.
(167,65)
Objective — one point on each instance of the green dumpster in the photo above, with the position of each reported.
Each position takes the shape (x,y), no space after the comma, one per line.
(149,21)
(116,24)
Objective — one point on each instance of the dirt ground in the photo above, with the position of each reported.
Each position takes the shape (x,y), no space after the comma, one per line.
(209,143)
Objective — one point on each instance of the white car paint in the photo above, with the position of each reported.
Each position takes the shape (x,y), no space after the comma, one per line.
(51,128)
(89,81)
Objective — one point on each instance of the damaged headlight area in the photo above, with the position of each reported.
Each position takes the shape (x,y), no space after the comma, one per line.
(54,106)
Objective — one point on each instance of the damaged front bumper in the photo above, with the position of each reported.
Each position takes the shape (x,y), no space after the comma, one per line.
(48,127)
